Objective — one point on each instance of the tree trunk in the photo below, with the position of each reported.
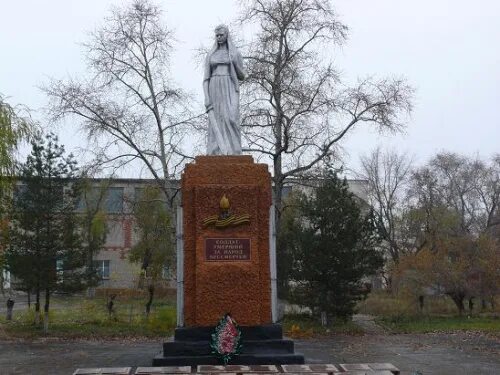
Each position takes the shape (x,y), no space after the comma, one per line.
(151,290)
(110,304)
(29,299)
(46,311)
(140,281)
(10,307)
(37,306)
(458,298)
(483,304)
(324,318)
(278,199)
(389,283)
(421,303)
(90,264)
(91,292)
(471,304)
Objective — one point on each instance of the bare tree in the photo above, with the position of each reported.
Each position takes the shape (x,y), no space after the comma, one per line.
(440,201)
(424,209)
(456,176)
(453,217)
(487,188)
(410,203)
(388,175)
(296,110)
(130,107)
(464,190)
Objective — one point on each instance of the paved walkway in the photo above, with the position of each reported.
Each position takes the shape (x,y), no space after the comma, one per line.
(441,354)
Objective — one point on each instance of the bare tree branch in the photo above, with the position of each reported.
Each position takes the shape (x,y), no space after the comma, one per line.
(130,105)
(296,110)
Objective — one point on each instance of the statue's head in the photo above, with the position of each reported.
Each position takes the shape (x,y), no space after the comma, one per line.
(221,34)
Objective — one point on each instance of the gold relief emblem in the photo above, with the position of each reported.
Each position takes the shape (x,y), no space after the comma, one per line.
(225,218)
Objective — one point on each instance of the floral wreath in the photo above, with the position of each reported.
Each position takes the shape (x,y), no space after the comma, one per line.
(226,340)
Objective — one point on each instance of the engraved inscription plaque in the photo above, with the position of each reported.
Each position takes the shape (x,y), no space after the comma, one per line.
(227,249)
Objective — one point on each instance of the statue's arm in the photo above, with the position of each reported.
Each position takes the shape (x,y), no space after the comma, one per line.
(208,102)
(206,83)
(238,66)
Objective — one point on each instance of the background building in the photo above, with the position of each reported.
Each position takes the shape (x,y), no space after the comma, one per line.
(116,198)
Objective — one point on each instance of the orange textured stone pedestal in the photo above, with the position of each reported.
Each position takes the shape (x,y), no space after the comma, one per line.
(221,277)
(224,247)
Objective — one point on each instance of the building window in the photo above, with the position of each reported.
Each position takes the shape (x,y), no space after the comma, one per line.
(110,199)
(102,268)
(138,194)
(25,195)
(92,199)
(114,200)
(285,192)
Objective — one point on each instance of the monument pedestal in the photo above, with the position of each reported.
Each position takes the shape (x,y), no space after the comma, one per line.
(225,278)
(226,203)
(262,345)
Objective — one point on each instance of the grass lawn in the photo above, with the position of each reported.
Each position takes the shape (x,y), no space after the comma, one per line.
(401,314)
(404,324)
(383,303)
(303,326)
(89,319)
(80,317)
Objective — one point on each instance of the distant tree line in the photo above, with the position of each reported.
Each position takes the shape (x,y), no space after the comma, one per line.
(440,223)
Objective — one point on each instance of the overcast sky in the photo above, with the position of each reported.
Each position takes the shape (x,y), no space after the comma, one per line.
(449,50)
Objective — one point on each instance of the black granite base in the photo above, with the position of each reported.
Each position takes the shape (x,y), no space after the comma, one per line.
(261,345)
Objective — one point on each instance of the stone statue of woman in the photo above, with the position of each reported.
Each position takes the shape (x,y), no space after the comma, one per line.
(223,71)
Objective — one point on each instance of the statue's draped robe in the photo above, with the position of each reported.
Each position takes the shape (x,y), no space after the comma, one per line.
(223,70)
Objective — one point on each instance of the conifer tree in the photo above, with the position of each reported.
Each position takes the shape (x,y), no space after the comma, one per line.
(334,250)
(44,251)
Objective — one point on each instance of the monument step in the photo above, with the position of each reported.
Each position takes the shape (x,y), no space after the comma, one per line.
(196,348)
(264,332)
(243,359)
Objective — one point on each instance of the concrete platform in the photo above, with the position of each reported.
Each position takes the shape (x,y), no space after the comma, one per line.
(317,369)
